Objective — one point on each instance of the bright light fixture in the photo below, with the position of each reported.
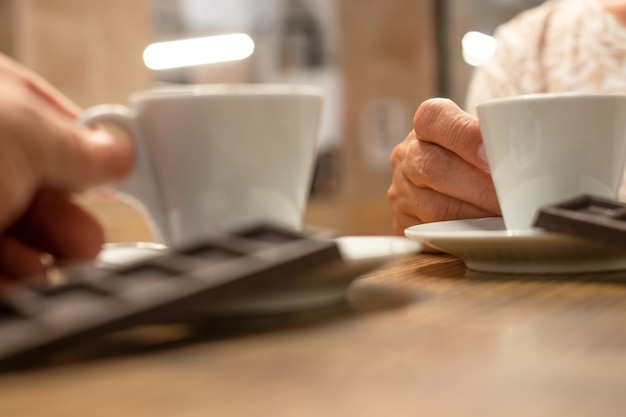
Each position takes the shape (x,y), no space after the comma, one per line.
(477,48)
(198,51)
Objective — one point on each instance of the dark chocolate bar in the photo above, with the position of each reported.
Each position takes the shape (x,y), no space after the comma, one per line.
(588,217)
(92,301)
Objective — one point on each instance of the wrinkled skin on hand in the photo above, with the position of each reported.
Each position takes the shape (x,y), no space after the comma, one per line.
(440,170)
(46,157)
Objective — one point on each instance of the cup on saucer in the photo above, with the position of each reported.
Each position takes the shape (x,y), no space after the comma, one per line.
(544,148)
(211,158)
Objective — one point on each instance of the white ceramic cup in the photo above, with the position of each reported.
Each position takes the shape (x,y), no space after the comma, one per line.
(213,157)
(544,148)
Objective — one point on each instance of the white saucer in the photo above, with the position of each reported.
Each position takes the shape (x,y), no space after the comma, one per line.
(485,245)
(362,247)
(360,253)
(352,248)
(118,254)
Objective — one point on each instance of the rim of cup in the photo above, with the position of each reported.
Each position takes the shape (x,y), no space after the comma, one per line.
(548,96)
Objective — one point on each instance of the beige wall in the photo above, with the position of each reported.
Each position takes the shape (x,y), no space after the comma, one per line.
(389,66)
(90,49)
(6,27)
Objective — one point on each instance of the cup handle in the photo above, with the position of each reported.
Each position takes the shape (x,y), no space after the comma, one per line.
(140,184)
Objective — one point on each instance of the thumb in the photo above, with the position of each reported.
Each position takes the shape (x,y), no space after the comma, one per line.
(85,158)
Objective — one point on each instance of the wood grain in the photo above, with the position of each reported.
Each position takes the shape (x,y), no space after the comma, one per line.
(423,336)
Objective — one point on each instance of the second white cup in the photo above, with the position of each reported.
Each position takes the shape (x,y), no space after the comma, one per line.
(214,157)
(544,148)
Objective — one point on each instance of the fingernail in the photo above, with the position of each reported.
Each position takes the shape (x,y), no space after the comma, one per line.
(482,156)
(115,154)
(100,136)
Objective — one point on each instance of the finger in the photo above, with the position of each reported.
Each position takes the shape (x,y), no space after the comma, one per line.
(18,260)
(402,221)
(56,225)
(58,153)
(413,205)
(51,148)
(442,122)
(432,166)
(79,158)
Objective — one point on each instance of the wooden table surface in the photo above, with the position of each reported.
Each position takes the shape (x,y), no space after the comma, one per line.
(423,337)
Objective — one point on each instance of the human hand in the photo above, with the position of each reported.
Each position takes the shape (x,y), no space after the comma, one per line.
(45,157)
(440,170)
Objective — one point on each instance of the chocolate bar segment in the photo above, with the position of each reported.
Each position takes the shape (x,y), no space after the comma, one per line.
(588,217)
(93,301)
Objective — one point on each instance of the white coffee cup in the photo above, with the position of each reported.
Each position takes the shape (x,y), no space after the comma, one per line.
(213,157)
(543,148)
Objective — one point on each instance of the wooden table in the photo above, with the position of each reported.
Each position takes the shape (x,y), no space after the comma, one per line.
(424,337)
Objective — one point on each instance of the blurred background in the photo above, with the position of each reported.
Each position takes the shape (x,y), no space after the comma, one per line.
(376,59)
